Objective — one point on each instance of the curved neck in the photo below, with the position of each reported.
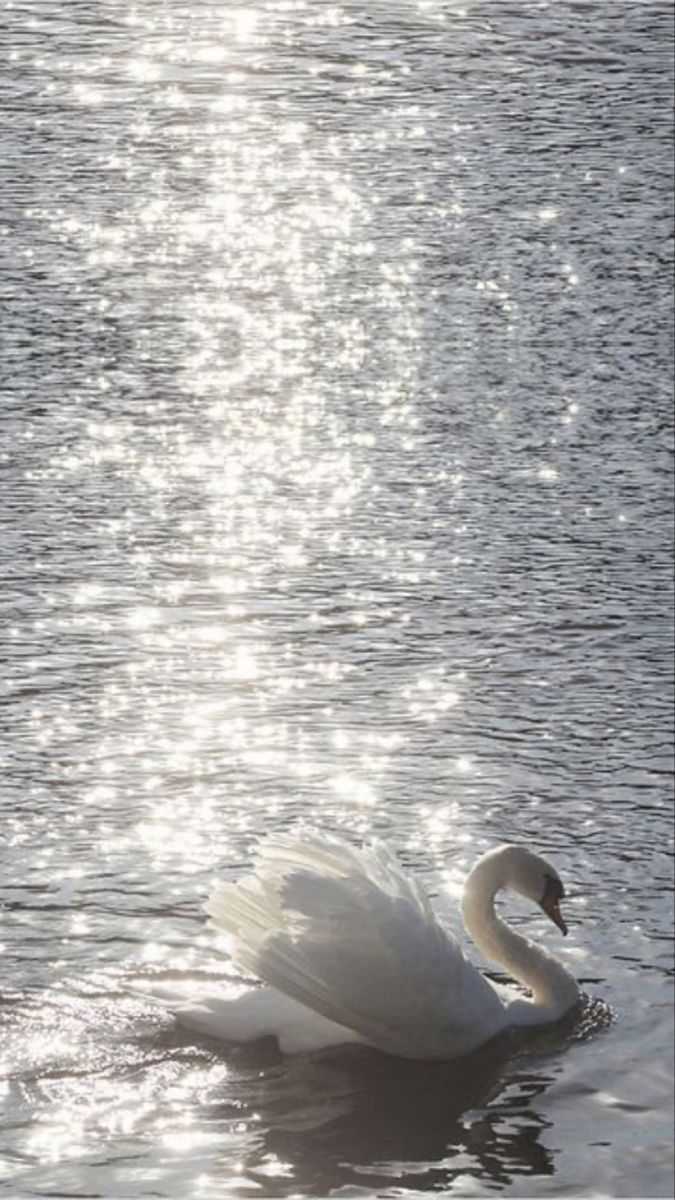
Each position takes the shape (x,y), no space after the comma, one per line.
(554,991)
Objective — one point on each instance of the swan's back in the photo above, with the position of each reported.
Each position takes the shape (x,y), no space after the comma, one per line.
(345,933)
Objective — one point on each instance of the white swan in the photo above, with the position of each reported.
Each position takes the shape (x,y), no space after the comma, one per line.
(351,951)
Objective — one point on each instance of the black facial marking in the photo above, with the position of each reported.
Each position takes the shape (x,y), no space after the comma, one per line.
(554,890)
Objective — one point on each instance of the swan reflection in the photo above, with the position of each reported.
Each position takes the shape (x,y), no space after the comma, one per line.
(353,1117)
(356,1117)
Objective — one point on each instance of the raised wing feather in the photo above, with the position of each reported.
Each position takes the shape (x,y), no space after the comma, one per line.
(345,933)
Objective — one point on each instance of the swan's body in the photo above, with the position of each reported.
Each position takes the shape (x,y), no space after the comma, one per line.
(351,951)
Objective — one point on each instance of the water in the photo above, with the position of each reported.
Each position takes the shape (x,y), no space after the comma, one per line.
(336,441)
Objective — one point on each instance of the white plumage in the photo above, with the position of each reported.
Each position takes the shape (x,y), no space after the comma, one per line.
(343,932)
(350,950)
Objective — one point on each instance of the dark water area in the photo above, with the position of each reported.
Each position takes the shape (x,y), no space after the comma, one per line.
(336,450)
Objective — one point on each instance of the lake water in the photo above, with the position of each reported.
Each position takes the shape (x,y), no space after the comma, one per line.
(336,458)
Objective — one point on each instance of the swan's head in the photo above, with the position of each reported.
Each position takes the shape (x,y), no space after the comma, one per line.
(535,879)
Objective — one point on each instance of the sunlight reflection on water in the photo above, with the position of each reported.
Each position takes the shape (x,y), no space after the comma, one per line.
(335,439)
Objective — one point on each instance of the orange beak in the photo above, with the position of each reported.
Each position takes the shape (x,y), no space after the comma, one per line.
(552,909)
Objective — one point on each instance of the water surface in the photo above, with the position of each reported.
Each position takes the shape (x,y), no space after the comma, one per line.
(336,445)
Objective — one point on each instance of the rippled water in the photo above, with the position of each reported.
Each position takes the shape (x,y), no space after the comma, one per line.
(336,443)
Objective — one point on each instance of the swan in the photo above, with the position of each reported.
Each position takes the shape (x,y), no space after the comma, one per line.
(349,949)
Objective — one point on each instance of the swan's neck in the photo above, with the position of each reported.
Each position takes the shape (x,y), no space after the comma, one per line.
(554,991)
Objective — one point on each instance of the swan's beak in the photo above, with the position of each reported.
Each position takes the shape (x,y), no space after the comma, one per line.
(551,907)
(554,892)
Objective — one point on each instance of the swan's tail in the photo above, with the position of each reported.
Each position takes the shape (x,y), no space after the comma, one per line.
(240,1013)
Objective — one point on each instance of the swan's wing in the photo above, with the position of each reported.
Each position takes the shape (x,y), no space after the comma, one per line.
(345,933)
